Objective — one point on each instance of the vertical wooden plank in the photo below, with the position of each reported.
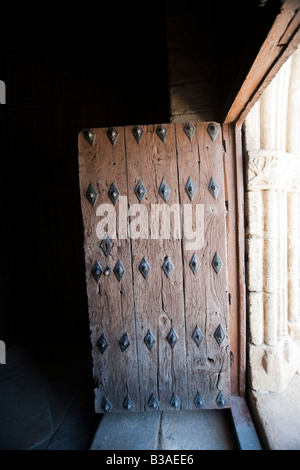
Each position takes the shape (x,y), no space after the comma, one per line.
(172,361)
(158,299)
(241,257)
(232,254)
(110,301)
(147,298)
(188,160)
(216,370)
(205,292)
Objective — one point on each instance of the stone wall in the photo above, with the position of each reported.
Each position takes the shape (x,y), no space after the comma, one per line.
(273,231)
(191,43)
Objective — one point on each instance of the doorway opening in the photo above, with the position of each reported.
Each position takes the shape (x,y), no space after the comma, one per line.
(272,170)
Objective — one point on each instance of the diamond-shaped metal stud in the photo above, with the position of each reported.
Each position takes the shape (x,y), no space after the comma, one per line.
(164,191)
(138,133)
(219,335)
(128,404)
(113,193)
(172,338)
(199,401)
(197,335)
(113,135)
(217,263)
(194,263)
(214,188)
(189,130)
(221,400)
(162,132)
(89,134)
(190,188)
(106,245)
(97,271)
(153,402)
(149,340)
(106,405)
(144,267)
(102,344)
(213,130)
(175,402)
(119,270)
(91,194)
(168,266)
(124,342)
(140,190)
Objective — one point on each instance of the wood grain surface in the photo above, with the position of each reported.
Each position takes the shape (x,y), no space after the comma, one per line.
(158,303)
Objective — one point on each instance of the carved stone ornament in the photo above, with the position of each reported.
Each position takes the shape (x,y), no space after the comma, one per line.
(272,169)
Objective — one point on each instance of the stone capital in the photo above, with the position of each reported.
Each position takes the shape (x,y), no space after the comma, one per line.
(272,169)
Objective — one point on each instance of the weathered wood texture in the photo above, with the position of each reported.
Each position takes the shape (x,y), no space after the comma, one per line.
(234,201)
(158,303)
(281,41)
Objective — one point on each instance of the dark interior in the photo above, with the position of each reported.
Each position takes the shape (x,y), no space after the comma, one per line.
(68,67)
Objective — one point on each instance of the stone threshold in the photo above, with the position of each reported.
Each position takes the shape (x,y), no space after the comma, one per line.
(277,416)
(247,438)
(229,429)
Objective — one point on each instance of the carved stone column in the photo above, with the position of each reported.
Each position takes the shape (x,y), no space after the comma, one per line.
(273,235)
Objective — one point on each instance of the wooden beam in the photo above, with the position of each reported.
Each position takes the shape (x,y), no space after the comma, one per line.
(234,185)
(283,38)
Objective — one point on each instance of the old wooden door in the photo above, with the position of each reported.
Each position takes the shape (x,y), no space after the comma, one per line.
(154,238)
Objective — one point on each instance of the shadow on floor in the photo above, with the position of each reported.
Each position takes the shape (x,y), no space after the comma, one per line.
(46,398)
(47,402)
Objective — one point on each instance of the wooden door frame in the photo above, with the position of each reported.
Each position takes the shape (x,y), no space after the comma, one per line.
(280,42)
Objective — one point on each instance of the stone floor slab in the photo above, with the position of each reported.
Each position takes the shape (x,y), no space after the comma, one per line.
(127,431)
(46,400)
(24,411)
(197,430)
(278,416)
(178,430)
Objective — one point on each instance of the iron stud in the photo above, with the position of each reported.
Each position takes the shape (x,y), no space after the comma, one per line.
(221,400)
(194,263)
(113,193)
(140,190)
(217,263)
(106,405)
(214,188)
(124,342)
(219,335)
(191,188)
(213,130)
(89,136)
(197,335)
(91,194)
(168,266)
(153,402)
(119,270)
(102,344)
(128,404)
(172,338)
(162,132)
(96,271)
(113,135)
(149,340)
(138,133)
(199,401)
(144,267)
(175,402)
